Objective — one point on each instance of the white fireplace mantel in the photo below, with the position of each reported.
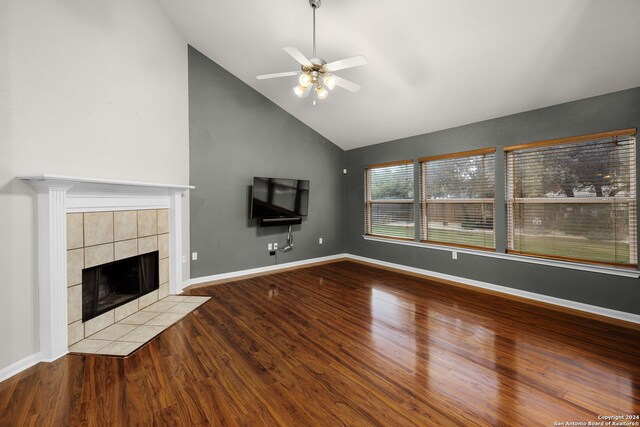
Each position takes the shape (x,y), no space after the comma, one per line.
(58,195)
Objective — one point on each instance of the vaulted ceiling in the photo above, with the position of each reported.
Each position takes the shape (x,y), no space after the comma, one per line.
(432,64)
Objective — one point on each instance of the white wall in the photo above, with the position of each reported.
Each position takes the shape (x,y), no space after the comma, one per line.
(90,88)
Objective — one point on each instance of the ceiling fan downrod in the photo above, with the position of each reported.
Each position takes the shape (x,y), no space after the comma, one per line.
(314,5)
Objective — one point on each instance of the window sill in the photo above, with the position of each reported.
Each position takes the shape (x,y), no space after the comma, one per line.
(511,257)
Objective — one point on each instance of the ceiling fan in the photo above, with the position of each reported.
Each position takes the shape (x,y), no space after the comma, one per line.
(316,74)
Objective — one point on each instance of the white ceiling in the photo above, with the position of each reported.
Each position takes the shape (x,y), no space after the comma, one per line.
(432,64)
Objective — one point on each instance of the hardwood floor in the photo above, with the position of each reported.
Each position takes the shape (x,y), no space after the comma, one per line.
(345,344)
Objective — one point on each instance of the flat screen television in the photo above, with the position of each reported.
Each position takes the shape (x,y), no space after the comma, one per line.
(279,201)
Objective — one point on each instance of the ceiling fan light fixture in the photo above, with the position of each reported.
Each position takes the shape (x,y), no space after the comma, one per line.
(300,90)
(321,92)
(329,81)
(304,79)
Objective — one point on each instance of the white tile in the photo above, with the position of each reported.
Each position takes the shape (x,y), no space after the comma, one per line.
(165,319)
(142,333)
(98,228)
(89,346)
(196,299)
(147,244)
(96,255)
(147,222)
(126,310)
(160,306)
(125,225)
(163,221)
(75,231)
(163,246)
(113,332)
(74,303)
(98,323)
(147,299)
(163,265)
(184,307)
(75,264)
(139,318)
(126,249)
(174,298)
(163,291)
(119,348)
(75,332)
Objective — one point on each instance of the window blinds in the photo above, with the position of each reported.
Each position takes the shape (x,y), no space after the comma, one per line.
(458,199)
(389,200)
(574,198)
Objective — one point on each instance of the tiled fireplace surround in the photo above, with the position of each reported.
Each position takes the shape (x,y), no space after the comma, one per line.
(88,221)
(95,238)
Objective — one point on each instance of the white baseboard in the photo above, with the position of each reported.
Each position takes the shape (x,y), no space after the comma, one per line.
(19,366)
(29,361)
(587,308)
(269,268)
(601,311)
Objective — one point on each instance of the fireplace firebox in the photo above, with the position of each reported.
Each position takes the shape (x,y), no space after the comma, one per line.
(107,286)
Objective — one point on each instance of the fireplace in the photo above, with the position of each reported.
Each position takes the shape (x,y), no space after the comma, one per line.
(110,285)
(84,222)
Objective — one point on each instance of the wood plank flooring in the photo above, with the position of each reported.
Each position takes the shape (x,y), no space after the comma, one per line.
(344,344)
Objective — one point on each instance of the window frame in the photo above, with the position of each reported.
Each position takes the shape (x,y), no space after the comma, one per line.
(424,220)
(511,201)
(369,202)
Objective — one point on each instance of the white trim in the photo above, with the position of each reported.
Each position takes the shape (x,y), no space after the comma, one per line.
(111,182)
(565,200)
(98,204)
(57,195)
(458,200)
(52,270)
(175,243)
(230,275)
(19,366)
(511,257)
(588,308)
(29,361)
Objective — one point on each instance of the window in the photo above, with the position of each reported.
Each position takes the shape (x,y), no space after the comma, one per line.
(574,198)
(457,199)
(389,200)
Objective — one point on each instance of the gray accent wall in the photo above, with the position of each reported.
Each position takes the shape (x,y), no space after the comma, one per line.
(613,111)
(235,134)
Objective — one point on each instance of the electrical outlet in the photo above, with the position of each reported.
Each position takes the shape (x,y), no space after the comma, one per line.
(344,171)
(320,241)
(194,256)
(275,246)
(454,255)
(270,247)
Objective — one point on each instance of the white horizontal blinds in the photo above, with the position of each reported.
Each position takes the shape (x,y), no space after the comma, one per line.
(389,200)
(574,200)
(458,199)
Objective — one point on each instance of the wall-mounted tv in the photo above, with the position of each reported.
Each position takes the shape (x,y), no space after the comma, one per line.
(279,201)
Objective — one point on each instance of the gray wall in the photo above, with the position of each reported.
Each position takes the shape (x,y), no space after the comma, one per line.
(608,112)
(235,134)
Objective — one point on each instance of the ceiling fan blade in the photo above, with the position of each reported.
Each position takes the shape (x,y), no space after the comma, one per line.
(298,56)
(346,63)
(346,84)
(276,75)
